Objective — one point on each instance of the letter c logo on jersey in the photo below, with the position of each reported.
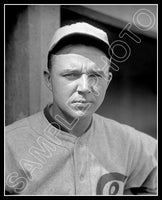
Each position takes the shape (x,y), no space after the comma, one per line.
(110,184)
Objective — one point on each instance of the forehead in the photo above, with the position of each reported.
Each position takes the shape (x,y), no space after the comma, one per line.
(79,55)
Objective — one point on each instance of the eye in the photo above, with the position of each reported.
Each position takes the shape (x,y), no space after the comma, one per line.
(95,75)
(72,76)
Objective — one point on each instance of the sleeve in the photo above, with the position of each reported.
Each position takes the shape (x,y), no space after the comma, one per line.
(9,167)
(14,175)
(142,177)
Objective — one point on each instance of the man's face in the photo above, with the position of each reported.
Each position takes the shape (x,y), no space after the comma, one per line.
(79,78)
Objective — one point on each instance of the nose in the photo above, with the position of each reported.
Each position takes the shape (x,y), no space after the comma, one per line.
(83,85)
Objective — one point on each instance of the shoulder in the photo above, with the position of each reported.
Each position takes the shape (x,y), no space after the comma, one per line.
(125,145)
(122,132)
(23,123)
(24,130)
(20,136)
(110,126)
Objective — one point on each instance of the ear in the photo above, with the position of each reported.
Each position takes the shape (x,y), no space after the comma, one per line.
(109,78)
(47,78)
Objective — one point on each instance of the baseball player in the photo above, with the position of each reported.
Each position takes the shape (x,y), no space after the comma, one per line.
(67,149)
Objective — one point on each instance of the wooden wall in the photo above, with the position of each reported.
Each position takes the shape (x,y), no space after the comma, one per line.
(28,34)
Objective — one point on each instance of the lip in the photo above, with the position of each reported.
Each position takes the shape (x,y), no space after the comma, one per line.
(81,101)
(81,105)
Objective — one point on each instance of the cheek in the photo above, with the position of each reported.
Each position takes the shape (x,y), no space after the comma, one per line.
(101,94)
(101,89)
(101,97)
(61,89)
(58,87)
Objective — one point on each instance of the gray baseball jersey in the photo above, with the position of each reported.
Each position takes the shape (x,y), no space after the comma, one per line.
(109,159)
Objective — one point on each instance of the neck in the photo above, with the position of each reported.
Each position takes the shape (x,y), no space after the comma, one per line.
(74,126)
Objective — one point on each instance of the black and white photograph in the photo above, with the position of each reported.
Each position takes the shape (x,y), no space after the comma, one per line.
(81,99)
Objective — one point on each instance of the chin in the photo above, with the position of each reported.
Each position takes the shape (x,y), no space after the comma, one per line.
(81,114)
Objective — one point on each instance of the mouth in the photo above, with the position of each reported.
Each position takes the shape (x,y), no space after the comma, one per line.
(81,103)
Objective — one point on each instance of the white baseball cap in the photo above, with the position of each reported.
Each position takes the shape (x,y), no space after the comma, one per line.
(80,33)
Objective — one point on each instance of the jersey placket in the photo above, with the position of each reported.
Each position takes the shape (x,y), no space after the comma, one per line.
(81,161)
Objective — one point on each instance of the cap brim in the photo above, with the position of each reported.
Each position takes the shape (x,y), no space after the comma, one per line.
(79,38)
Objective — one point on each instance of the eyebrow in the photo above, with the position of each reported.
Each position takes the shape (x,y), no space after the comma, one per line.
(67,71)
(101,72)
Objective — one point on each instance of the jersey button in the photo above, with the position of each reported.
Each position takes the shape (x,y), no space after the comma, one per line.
(81,177)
